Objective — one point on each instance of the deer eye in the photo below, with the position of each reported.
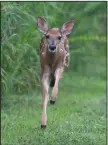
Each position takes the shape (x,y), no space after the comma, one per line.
(47,36)
(59,38)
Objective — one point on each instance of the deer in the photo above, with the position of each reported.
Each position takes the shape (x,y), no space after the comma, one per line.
(54,58)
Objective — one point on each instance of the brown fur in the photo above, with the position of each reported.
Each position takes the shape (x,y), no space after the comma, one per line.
(54,57)
(50,62)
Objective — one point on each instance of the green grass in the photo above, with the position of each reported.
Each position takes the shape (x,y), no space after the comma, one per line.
(77,118)
(79,115)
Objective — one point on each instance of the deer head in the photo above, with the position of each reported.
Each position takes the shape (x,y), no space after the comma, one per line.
(54,35)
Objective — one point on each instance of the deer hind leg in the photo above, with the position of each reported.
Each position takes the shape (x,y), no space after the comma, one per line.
(52,80)
(58,74)
(45,97)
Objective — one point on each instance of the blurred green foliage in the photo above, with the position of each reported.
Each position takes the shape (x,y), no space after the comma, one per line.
(20,65)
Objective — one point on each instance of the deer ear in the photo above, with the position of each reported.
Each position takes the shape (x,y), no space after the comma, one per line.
(67,27)
(42,25)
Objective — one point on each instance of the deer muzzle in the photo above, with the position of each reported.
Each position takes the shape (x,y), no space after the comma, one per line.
(52,48)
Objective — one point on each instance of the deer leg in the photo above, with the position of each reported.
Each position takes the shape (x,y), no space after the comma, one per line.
(58,74)
(52,80)
(45,97)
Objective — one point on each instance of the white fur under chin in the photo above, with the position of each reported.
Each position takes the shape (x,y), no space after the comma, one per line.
(52,50)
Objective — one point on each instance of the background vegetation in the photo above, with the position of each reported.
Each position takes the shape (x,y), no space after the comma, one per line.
(20,71)
(20,39)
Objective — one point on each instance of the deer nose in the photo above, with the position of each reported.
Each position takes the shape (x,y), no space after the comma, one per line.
(52,47)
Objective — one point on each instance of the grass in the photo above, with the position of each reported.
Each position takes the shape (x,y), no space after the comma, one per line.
(79,115)
(77,118)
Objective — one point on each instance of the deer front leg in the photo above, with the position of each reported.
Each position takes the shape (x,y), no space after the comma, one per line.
(45,97)
(58,74)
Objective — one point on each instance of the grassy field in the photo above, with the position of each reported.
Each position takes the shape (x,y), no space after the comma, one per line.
(79,115)
(77,118)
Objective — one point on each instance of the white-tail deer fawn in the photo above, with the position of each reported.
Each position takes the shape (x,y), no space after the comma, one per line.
(54,57)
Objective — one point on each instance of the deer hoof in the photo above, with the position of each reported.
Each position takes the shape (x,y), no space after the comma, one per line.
(52,102)
(43,126)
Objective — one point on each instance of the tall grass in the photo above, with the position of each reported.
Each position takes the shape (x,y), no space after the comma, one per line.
(20,64)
